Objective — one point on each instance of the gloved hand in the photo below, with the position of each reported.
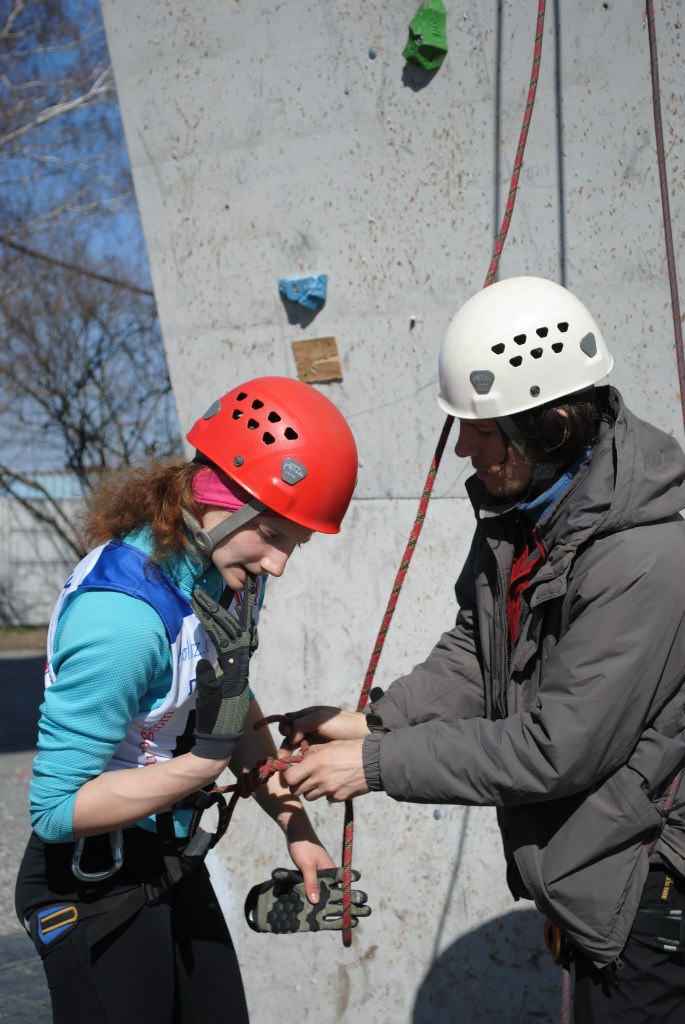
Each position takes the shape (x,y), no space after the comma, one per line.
(280,905)
(223,698)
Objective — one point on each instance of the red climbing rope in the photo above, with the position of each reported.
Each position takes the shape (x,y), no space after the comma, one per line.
(665,205)
(348,831)
(523,138)
(249,781)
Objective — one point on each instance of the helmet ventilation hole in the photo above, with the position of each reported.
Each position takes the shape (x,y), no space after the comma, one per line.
(252,425)
(542,332)
(536,353)
(562,327)
(290,434)
(273,417)
(268,438)
(520,339)
(241,397)
(557,346)
(516,361)
(237,414)
(257,404)
(498,349)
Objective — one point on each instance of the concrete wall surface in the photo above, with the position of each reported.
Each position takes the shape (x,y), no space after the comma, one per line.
(284,139)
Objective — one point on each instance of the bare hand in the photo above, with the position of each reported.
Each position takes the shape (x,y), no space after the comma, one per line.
(334,770)
(310,857)
(322,724)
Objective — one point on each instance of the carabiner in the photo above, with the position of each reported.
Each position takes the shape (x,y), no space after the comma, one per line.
(116,845)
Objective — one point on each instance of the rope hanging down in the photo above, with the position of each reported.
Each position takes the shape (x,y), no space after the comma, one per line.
(348,831)
(249,781)
(665,205)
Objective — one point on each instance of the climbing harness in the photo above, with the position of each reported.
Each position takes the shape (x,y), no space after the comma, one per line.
(663,930)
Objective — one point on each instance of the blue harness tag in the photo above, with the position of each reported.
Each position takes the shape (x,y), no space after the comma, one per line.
(55,921)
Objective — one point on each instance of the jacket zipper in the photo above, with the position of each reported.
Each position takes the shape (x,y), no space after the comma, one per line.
(499,674)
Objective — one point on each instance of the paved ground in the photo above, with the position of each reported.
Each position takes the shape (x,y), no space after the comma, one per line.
(24,997)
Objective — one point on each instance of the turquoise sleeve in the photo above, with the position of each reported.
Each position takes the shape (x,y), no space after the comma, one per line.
(111,656)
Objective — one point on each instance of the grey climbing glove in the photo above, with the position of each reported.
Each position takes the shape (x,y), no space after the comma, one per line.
(223,697)
(280,905)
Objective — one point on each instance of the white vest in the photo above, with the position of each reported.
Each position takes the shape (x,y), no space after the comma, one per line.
(151,736)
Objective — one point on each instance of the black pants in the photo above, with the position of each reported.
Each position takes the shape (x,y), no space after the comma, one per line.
(650,986)
(172,963)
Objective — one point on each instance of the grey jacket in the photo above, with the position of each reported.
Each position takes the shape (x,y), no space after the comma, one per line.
(577,735)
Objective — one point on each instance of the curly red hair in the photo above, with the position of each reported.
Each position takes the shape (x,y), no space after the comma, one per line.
(153,495)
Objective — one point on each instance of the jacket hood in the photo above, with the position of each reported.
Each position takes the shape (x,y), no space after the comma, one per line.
(635,475)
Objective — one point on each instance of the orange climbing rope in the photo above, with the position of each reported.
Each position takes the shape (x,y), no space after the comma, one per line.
(348,831)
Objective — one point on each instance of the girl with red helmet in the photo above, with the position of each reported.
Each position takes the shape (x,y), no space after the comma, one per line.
(148,658)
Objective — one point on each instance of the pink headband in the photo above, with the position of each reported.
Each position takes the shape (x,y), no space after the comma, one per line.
(213,487)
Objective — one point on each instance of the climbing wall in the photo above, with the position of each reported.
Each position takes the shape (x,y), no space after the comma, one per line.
(290,143)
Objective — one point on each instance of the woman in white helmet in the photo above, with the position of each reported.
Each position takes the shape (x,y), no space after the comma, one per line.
(557,697)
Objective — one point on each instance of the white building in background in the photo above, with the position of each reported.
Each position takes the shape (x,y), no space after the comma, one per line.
(34,559)
(283,140)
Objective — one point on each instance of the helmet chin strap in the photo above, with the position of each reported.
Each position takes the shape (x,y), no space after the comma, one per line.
(512,434)
(543,472)
(207,540)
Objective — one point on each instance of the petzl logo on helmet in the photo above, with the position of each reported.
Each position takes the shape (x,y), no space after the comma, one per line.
(482,381)
(292,472)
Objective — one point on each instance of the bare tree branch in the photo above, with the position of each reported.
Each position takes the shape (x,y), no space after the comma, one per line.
(84,386)
(70,266)
(44,509)
(103,86)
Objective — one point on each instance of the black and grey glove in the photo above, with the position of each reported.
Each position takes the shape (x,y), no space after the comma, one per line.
(223,697)
(280,905)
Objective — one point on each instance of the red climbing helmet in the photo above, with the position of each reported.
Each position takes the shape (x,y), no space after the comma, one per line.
(287,445)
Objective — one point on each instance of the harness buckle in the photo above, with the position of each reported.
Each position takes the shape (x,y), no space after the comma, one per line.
(116,845)
(154,891)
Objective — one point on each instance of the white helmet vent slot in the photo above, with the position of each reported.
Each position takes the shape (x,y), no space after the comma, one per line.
(557,347)
(534,336)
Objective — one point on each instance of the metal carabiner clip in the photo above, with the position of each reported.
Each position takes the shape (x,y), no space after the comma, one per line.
(116,845)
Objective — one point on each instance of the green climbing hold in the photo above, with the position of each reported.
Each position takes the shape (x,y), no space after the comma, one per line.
(427,43)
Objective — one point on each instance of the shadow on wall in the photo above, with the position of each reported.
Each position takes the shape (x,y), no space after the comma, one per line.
(501,972)
(21,694)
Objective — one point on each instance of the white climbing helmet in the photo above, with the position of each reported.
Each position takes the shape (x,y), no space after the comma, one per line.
(518,344)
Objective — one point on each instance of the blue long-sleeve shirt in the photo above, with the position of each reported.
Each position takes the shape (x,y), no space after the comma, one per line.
(111,659)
